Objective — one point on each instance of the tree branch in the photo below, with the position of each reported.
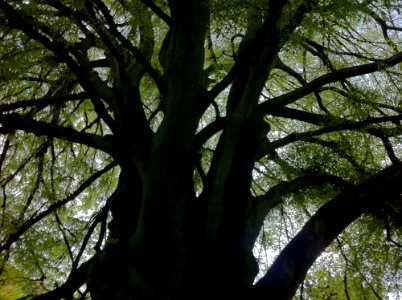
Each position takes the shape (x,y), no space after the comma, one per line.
(338,124)
(14,121)
(158,11)
(76,279)
(88,79)
(264,40)
(263,204)
(335,76)
(133,49)
(291,266)
(292,113)
(208,131)
(28,224)
(37,31)
(43,102)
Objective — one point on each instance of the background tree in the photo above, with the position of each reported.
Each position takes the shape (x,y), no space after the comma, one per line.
(147,147)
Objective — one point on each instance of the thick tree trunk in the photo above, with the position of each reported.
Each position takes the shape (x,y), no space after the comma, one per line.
(162,260)
(218,272)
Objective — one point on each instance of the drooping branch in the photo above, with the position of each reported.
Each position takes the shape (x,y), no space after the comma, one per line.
(342,153)
(384,26)
(274,195)
(388,147)
(42,102)
(357,268)
(337,51)
(334,124)
(100,217)
(279,64)
(35,153)
(62,229)
(291,266)
(14,121)
(38,32)
(12,238)
(76,279)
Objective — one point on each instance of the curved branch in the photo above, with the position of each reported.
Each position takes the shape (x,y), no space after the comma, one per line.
(291,266)
(14,121)
(272,197)
(335,76)
(339,124)
(208,131)
(263,204)
(76,279)
(98,219)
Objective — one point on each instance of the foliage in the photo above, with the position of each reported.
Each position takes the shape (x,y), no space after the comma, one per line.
(178,136)
(14,285)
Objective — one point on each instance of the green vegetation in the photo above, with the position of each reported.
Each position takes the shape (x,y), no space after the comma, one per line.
(200,149)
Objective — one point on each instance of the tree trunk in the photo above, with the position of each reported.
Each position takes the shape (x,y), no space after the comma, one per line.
(225,269)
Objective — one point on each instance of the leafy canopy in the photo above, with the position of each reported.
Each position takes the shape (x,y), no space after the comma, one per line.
(86,86)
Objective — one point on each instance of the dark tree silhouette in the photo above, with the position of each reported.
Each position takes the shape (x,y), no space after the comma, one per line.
(146,145)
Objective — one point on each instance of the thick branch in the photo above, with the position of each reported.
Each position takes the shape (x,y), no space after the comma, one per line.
(295,114)
(274,195)
(208,131)
(265,203)
(290,268)
(264,39)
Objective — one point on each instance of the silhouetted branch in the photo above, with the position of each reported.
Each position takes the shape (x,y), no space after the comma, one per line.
(335,76)
(75,280)
(42,102)
(14,121)
(291,266)
(158,11)
(263,204)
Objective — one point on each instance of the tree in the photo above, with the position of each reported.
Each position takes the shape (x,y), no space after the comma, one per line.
(149,146)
